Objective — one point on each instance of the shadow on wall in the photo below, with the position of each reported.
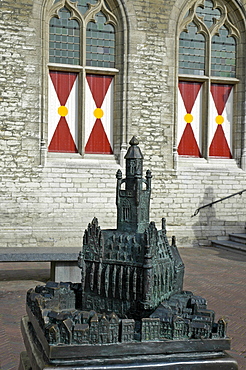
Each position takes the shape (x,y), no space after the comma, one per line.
(207,227)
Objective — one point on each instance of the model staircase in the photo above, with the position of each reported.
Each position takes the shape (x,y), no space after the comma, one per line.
(235,242)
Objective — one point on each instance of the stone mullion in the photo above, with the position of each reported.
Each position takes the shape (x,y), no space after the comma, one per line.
(206,100)
(81,98)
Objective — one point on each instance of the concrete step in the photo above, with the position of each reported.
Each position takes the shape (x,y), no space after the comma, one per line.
(238,238)
(229,244)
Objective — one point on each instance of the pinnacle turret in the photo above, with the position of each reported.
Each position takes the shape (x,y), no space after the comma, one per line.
(133,200)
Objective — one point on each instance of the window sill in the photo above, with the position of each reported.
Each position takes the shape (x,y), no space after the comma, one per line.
(78,68)
(211,164)
(202,78)
(67,160)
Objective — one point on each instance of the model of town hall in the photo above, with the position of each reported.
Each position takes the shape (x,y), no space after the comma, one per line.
(130,303)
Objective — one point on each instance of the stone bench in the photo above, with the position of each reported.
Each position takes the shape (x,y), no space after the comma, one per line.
(64,261)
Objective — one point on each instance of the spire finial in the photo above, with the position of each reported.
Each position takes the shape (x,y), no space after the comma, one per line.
(134,141)
(134,151)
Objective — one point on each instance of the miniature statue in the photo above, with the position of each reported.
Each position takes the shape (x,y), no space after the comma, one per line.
(131,293)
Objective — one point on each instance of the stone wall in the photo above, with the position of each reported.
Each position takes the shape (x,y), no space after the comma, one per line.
(50,203)
(178,194)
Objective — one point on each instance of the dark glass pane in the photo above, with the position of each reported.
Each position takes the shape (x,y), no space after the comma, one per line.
(208,13)
(83,5)
(60,28)
(223,58)
(191,52)
(100,43)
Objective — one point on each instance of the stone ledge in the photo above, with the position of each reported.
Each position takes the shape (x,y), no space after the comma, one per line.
(212,164)
(12,254)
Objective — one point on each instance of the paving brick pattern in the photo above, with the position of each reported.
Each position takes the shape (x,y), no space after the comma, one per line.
(15,280)
(217,275)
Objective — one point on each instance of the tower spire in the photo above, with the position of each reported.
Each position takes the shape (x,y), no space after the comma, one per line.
(133,201)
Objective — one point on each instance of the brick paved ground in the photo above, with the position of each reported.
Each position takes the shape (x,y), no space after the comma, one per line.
(219,276)
(15,280)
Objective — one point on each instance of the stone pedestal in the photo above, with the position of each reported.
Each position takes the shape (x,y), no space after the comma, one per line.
(65,271)
(190,354)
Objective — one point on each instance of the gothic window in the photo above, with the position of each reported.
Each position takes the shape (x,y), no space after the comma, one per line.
(126,211)
(167,280)
(208,54)
(82,69)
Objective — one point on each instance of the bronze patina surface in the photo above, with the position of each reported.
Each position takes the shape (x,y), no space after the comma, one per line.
(130,309)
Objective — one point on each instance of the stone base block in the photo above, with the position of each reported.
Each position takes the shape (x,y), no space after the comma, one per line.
(35,358)
(24,362)
(65,271)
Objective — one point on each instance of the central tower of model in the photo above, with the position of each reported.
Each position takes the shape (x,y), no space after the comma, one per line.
(132,269)
(133,201)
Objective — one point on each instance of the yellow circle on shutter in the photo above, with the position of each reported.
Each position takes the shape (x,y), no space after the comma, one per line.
(62,111)
(219,119)
(188,118)
(98,113)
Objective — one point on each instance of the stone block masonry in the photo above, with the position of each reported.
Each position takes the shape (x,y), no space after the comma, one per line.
(51,204)
(55,209)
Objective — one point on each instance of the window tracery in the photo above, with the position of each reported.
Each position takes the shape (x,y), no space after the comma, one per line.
(82,41)
(207,78)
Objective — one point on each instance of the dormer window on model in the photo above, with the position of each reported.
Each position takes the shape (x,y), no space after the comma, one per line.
(133,192)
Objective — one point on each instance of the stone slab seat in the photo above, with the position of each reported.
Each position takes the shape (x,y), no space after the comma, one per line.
(64,261)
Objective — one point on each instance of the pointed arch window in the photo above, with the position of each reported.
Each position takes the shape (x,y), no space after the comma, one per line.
(100,43)
(82,61)
(64,39)
(207,79)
